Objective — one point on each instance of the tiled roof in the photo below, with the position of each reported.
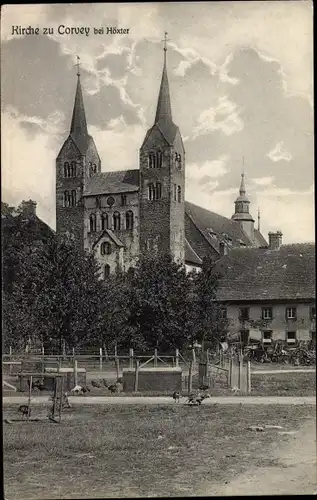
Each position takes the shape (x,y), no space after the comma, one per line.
(191,256)
(210,222)
(113,182)
(251,274)
(111,234)
(259,238)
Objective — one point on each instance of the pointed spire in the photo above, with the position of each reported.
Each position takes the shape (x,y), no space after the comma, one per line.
(242,185)
(258,218)
(164,110)
(78,128)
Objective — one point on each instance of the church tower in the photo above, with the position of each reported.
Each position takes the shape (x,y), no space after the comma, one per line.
(77,160)
(162,181)
(241,214)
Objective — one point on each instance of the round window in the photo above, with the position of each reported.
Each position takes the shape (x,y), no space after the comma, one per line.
(110,201)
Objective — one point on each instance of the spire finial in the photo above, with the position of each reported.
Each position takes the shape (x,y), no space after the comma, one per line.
(165,45)
(78,64)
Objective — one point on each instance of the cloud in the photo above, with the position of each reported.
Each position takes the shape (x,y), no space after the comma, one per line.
(277,154)
(263,181)
(224,117)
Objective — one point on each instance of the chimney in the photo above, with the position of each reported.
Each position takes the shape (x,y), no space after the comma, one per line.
(28,207)
(275,240)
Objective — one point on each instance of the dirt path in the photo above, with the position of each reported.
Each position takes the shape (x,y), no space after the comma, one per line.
(294,474)
(147,400)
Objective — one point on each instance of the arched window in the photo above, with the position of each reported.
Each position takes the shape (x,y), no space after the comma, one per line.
(67,199)
(89,168)
(72,172)
(104,221)
(179,193)
(159,159)
(66,169)
(152,160)
(73,198)
(178,160)
(129,220)
(92,223)
(106,271)
(158,190)
(94,168)
(105,248)
(116,221)
(151,191)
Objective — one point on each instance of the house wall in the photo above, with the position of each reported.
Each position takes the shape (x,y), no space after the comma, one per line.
(303,325)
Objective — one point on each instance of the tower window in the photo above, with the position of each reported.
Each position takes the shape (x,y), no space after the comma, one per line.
(152,160)
(158,191)
(155,191)
(70,198)
(151,189)
(94,168)
(129,220)
(116,221)
(105,248)
(123,200)
(178,160)
(159,159)
(175,191)
(69,169)
(179,193)
(106,271)
(92,223)
(104,221)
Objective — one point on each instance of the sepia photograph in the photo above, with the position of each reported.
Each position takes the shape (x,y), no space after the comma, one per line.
(158,250)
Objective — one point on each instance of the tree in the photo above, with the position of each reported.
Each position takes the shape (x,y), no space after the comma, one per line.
(205,319)
(159,292)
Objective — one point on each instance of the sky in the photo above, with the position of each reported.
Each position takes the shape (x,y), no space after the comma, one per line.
(241,84)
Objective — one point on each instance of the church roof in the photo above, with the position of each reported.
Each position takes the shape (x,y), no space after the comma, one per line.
(111,235)
(259,238)
(250,274)
(214,226)
(191,256)
(78,128)
(121,181)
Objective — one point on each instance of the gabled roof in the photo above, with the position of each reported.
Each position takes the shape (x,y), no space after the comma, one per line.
(259,238)
(209,222)
(253,274)
(113,182)
(111,235)
(191,256)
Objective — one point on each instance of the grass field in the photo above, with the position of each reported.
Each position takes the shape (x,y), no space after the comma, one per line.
(122,451)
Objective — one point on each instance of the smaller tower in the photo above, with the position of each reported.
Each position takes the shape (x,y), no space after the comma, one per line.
(242,214)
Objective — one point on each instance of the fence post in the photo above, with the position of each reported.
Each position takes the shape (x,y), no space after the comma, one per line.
(177,358)
(117,366)
(230,373)
(10,354)
(100,360)
(249,376)
(136,377)
(75,373)
(190,377)
(155,358)
(240,372)
(207,356)
(29,398)
(105,353)
(194,358)
(131,358)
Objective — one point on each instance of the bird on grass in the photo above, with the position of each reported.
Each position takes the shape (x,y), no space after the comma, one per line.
(203,387)
(25,410)
(113,388)
(96,384)
(176,396)
(196,399)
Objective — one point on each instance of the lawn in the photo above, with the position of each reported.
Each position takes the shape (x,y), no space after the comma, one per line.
(124,451)
(284,384)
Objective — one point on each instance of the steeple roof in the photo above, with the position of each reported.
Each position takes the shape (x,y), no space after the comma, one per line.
(78,128)
(242,191)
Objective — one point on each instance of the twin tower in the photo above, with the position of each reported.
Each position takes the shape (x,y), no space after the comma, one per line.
(121,214)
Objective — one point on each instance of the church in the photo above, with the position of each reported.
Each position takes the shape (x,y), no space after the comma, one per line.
(123,214)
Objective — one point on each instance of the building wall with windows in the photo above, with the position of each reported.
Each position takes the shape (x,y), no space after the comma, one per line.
(290,321)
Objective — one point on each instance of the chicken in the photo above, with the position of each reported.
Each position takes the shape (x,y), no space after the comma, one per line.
(77,389)
(197,399)
(203,387)
(96,384)
(25,410)
(176,396)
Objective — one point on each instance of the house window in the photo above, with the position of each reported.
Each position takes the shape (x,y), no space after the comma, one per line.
(244,313)
(179,194)
(92,223)
(105,248)
(267,337)
(291,337)
(244,336)
(116,221)
(291,313)
(129,220)
(267,313)
(123,200)
(104,221)
(106,271)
